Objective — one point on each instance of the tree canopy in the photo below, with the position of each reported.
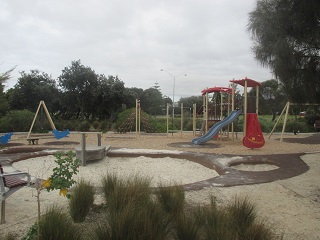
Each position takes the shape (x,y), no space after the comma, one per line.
(286,38)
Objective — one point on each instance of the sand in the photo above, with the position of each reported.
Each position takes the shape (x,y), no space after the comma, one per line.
(291,205)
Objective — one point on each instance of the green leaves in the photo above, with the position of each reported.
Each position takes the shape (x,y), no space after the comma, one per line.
(62,176)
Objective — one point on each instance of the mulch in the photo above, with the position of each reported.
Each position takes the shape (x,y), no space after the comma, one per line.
(313,139)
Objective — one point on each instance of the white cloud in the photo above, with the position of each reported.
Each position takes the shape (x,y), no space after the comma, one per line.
(205,39)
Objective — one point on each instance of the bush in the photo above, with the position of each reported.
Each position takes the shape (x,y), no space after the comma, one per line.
(17,121)
(96,125)
(134,212)
(81,201)
(56,225)
(171,198)
(84,126)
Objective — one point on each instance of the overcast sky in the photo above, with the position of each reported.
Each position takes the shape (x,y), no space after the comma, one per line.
(134,39)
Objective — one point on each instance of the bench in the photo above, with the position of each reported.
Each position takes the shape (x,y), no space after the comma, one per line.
(10,183)
(35,140)
(316,125)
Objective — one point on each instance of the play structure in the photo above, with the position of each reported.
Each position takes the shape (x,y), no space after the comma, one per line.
(57,134)
(214,118)
(137,116)
(252,133)
(286,110)
(217,127)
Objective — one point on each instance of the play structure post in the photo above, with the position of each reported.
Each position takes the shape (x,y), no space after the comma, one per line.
(181,118)
(83,149)
(275,125)
(194,118)
(285,121)
(167,119)
(245,108)
(206,112)
(232,108)
(257,99)
(137,117)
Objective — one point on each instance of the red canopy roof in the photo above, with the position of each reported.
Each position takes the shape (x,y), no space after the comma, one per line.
(250,82)
(216,89)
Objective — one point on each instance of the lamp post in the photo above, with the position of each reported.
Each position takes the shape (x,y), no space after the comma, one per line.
(174,85)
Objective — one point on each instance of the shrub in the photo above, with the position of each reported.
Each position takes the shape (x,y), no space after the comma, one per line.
(32,233)
(84,126)
(96,125)
(171,198)
(81,200)
(119,193)
(10,236)
(131,212)
(56,225)
(17,121)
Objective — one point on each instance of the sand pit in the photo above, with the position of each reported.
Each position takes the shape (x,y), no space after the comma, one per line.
(166,171)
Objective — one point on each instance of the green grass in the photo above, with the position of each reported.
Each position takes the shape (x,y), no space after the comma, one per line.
(81,200)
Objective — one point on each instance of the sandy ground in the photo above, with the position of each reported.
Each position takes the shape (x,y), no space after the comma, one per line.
(291,205)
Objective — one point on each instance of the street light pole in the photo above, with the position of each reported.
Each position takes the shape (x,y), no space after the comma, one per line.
(173,90)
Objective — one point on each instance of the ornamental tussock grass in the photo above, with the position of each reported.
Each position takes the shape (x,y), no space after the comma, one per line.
(56,224)
(131,211)
(9,236)
(171,198)
(119,193)
(135,212)
(81,200)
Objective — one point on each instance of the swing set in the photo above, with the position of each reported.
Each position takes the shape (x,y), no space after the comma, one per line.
(57,134)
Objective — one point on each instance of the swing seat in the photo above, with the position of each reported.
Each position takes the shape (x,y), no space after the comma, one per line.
(5,138)
(60,134)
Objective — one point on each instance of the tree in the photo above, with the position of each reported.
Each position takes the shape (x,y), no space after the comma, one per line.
(151,101)
(286,37)
(110,96)
(30,89)
(271,99)
(3,100)
(79,84)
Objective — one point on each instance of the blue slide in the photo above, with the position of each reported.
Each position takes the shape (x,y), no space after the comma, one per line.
(214,130)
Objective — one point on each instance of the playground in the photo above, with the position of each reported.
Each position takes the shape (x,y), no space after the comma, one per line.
(286,202)
(279,175)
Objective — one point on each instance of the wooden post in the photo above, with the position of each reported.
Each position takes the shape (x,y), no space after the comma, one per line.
(206,113)
(83,149)
(274,127)
(232,108)
(167,119)
(285,121)
(181,118)
(257,100)
(245,109)
(194,117)
(99,139)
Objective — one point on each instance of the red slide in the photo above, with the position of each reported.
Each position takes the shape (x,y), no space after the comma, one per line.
(254,137)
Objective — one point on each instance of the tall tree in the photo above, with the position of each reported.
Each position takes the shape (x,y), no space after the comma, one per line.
(79,84)
(286,37)
(3,100)
(151,101)
(30,89)
(272,98)
(110,96)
